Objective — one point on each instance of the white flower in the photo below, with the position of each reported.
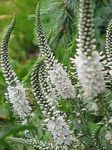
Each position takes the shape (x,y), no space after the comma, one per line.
(17,97)
(110,72)
(92,106)
(108,136)
(90,73)
(62,135)
(61,81)
(110,120)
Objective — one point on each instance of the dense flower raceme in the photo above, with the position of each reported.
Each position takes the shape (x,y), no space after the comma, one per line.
(86,40)
(54,120)
(16,92)
(18,99)
(90,73)
(88,61)
(62,135)
(108,136)
(59,78)
(109,46)
(56,124)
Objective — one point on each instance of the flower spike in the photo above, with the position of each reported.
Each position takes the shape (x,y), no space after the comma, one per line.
(88,61)
(86,38)
(42,41)
(47,99)
(44,94)
(16,93)
(56,72)
(109,46)
(8,72)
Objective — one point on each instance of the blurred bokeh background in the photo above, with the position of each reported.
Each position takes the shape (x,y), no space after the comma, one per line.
(59,20)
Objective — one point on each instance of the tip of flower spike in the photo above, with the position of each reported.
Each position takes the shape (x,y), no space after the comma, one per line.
(9,31)
(13,20)
(14,15)
(8,72)
(10,27)
(37,7)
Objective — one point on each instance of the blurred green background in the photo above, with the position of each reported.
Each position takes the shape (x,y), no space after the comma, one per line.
(59,20)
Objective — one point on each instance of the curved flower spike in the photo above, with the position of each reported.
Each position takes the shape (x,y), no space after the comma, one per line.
(45,95)
(42,41)
(16,92)
(35,82)
(8,72)
(56,73)
(47,99)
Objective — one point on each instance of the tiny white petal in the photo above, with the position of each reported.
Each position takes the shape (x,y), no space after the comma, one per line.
(90,73)
(17,97)
(61,81)
(62,135)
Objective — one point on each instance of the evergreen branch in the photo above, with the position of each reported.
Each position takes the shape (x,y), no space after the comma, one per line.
(64,22)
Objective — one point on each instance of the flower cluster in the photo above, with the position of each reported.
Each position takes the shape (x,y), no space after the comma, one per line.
(18,99)
(16,92)
(109,47)
(62,135)
(108,136)
(86,40)
(88,61)
(60,80)
(90,74)
(56,72)
(48,101)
